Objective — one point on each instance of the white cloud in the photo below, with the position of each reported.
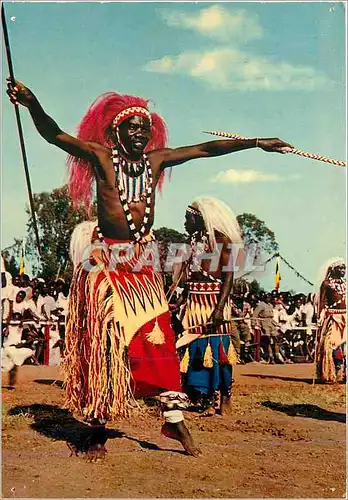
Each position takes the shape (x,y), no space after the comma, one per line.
(233,69)
(229,67)
(217,22)
(233,176)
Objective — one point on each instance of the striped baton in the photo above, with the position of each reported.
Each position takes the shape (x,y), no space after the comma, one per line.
(294,151)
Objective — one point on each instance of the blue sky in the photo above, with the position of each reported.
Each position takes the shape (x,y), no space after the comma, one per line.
(256,69)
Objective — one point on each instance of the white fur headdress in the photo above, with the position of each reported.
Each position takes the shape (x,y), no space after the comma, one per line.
(323,274)
(327,268)
(219,217)
(81,239)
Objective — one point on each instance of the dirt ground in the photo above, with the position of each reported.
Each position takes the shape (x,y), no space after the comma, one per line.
(285,439)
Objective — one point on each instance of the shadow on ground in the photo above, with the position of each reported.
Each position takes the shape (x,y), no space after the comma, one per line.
(150,402)
(306,410)
(58,383)
(278,377)
(59,424)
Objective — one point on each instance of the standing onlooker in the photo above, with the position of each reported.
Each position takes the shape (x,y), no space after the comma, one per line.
(263,315)
(241,333)
(308,311)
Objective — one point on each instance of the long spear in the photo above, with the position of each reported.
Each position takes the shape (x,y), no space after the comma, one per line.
(19,126)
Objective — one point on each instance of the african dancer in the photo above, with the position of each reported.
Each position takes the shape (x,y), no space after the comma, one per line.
(208,361)
(118,337)
(332,336)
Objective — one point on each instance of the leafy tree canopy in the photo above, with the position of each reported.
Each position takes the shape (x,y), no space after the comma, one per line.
(255,231)
(56,218)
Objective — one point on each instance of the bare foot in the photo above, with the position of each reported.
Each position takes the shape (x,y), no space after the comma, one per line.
(226,406)
(208,412)
(94,446)
(73,450)
(96,453)
(180,432)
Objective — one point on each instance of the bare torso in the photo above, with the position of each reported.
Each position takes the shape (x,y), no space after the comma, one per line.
(111,217)
(208,264)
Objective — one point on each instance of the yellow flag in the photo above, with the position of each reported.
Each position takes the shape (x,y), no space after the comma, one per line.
(277,276)
(21,261)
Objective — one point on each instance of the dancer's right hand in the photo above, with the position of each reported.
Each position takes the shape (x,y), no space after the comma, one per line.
(18,93)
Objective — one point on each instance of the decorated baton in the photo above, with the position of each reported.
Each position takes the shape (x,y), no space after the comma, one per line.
(294,151)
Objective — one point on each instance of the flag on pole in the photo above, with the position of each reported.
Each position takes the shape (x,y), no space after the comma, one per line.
(277,276)
(21,260)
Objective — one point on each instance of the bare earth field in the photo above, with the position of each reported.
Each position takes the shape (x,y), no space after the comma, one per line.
(286,438)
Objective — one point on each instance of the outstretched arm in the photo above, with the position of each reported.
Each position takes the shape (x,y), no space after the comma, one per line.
(47,127)
(172,157)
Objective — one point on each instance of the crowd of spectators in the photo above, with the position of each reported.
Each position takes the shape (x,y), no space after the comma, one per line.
(268,327)
(284,325)
(33,313)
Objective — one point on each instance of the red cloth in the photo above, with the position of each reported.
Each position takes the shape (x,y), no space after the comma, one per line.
(46,360)
(155,367)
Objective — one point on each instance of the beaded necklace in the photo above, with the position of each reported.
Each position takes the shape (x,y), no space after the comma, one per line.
(133,176)
(338,285)
(139,190)
(194,251)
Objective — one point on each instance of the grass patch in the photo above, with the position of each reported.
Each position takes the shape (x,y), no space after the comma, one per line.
(14,422)
(326,397)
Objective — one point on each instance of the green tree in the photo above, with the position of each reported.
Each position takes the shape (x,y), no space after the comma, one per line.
(242,286)
(56,218)
(165,236)
(255,287)
(11,257)
(255,231)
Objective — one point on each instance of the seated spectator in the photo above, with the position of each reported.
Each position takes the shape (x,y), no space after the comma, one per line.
(19,304)
(24,284)
(295,318)
(47,302)
(30,339)
(15,350)
(55,347)
(33,310)
(7,295)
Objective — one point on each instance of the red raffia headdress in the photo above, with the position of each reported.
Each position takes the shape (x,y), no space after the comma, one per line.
(97,126)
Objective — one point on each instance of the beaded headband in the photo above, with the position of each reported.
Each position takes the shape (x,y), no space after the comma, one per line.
(337,263)
(128,112)
(193,211)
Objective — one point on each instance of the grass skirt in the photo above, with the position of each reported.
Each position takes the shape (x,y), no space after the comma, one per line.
(112,314)
(331,345)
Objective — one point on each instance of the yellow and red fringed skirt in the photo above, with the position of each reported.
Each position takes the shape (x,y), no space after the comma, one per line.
(119,340)
(331,344)
(216,346)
